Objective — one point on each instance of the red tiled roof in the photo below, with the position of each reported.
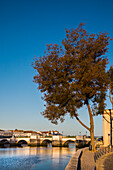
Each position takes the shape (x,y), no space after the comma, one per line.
(45,132)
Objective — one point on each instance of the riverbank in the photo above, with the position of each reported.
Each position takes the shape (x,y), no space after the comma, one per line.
(83,159)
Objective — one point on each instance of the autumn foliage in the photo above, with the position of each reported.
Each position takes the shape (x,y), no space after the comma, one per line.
(73,75)
(110,74)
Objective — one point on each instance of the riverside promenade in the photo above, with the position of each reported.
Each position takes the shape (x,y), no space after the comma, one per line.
(105,162)
(83,159)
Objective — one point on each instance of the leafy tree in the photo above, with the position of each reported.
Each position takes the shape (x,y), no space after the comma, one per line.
(111,84)
(73,75)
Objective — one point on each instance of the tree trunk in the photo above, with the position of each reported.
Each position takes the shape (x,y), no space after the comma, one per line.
(91,127)
(82,123)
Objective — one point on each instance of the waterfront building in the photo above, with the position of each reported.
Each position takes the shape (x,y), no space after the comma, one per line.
(5,134)
(44,133)
(32,134)
(18,133)
(28,134)
(49,133)
(106,127)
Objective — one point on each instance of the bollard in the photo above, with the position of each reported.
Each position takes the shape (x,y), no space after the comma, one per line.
(90,147)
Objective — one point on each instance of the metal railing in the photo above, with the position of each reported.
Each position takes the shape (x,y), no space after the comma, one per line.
(102,151)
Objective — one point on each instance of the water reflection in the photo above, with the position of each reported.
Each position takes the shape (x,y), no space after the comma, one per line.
(35,158)
(72,145)
(49,145)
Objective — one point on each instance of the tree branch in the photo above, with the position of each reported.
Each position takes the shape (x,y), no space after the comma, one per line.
(82,123)
(107,112)
(110,97)
(106,119)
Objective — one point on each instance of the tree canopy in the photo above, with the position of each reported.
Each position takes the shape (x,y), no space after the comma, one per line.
(110,73)
(73,75)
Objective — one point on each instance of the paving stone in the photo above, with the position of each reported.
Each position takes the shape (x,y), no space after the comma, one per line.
(105,162)
(87,160)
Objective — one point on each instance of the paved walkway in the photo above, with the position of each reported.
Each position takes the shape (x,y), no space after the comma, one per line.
(87,160)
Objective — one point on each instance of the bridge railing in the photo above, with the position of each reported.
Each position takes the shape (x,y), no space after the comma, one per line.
(46,137)
(22,136)
(69,137)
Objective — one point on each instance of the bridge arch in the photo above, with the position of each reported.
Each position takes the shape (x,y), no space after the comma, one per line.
(4,143)
(22,142)
(45,142)
(66,143)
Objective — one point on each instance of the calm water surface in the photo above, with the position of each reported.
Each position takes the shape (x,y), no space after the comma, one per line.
(41,158)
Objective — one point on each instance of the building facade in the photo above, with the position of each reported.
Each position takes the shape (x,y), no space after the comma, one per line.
(107,127)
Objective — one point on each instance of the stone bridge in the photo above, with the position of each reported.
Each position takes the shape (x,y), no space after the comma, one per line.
(7,141)
(42,141)
(57,141)
(67,140)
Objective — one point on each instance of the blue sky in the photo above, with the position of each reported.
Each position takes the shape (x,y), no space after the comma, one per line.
(26,26)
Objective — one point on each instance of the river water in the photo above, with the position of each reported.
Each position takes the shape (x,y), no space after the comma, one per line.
(35,158)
